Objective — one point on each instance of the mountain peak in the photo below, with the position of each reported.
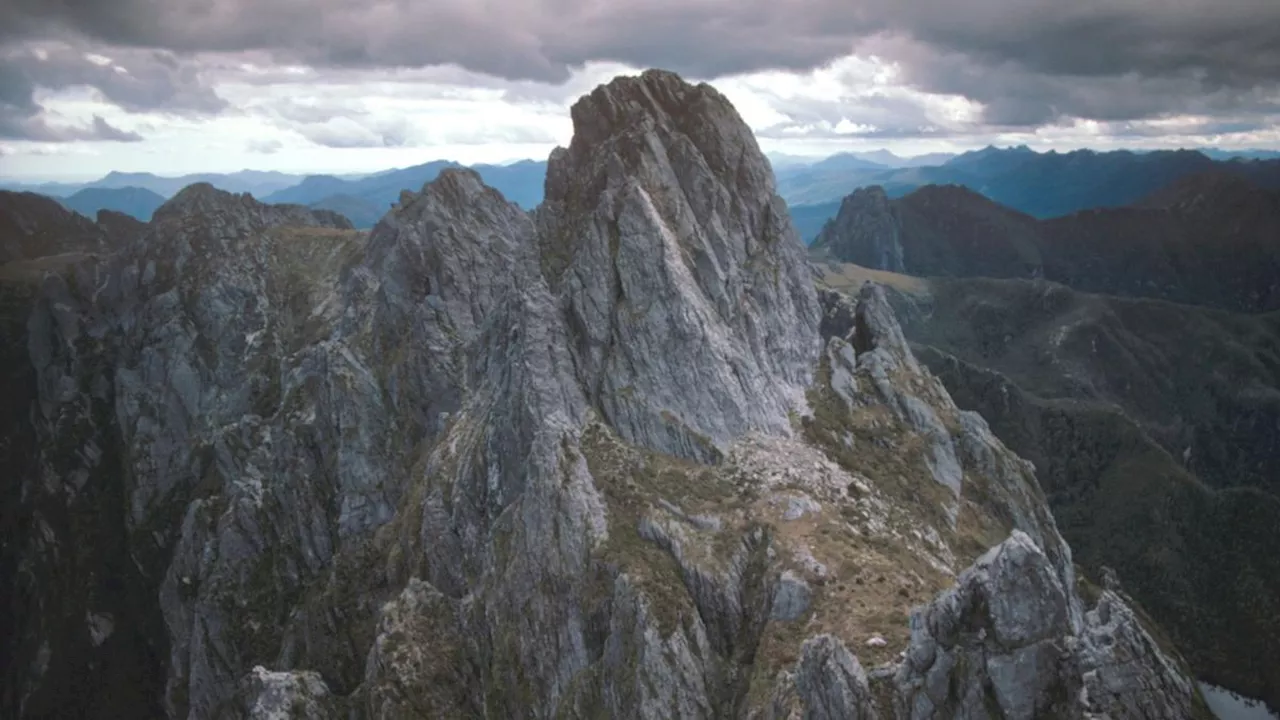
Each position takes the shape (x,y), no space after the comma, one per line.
(200,197)
(203,199)
(864,231)
(594,455)
(961,198)
(33,226)
(681,218)
(655,97)
(457,180)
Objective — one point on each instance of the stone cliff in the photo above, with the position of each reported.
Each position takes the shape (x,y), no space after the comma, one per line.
(608,459)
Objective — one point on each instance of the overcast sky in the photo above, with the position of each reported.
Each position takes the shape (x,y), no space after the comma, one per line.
(178,86)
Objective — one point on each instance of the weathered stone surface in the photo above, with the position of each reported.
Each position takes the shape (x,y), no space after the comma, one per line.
(865,231)
(688,295)
(1000,636)
(1126,674)
(832,682)
(838,312)
(589,463)
(415,667)
(1004,638)
(270,695)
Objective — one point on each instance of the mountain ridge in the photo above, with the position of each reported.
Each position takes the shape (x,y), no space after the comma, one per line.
(1111,399)
(1179,244)
(138,203)
(598,459)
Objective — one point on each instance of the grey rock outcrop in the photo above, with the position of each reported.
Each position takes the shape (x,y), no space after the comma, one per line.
(1126,673)
(1001,644)
(270,695)
(837,314)
(866,231)
(832,682)
(586,462)
(997,640)
(687,291)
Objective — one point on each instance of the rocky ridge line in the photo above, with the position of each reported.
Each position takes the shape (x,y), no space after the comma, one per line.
(594,462)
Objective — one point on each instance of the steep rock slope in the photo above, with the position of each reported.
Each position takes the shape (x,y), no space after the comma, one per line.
(594,462)
(33,226)
(1152,427)
(936,230)
(66,598)
(1208,240)
(687,289)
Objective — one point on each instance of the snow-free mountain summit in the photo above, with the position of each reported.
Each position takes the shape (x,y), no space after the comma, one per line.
(611,458)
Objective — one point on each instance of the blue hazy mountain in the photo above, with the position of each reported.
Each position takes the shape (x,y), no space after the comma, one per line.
(1039,184)
(367,199)
(1042,185)
(133,201)
(258,183)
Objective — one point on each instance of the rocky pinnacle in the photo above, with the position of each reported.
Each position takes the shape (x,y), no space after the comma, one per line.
(590,461)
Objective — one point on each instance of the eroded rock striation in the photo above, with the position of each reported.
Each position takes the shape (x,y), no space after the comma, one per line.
(593,461)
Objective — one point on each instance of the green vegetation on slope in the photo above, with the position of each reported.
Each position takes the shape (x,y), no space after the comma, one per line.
(1152,427)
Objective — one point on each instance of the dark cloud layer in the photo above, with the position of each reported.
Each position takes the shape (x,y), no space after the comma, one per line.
(33,128)
(20,115)
(133,79)
(1029,62)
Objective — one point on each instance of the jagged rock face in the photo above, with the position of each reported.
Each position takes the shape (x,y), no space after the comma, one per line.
(1112,399)
(1000,634)
(832,682)
(865,232)
(81,629)
(1001,644)
(460,468)
(688,296)
(274,385)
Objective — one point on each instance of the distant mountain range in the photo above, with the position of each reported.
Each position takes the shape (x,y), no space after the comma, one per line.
(1208,239)
(882,158)
(136,202)
(1041,185)
(256,182)
(366,200)
(1243,154)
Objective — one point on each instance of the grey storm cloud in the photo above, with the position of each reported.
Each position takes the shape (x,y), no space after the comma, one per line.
(135,80)
(1019,95)
(102,130)
(1029,62)
(20,116)
(14,127)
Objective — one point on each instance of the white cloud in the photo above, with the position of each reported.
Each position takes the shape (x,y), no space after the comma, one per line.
(299,119)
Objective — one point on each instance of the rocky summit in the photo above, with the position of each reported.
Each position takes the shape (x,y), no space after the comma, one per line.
(611,458)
